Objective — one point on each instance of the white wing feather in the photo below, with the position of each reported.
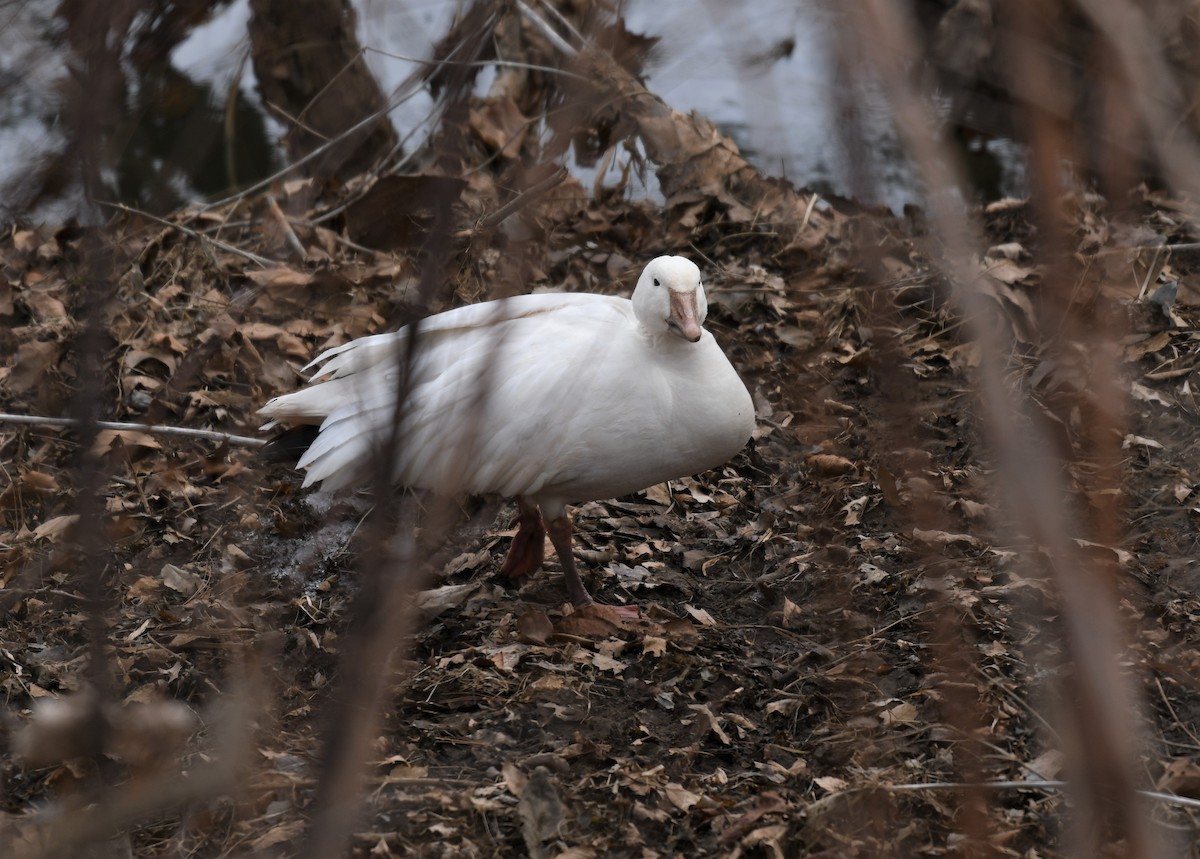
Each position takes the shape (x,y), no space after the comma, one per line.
(487,380)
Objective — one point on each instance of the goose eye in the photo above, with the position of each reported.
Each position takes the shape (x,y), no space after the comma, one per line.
(656,282)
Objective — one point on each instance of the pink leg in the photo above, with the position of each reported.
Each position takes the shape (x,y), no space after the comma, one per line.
(528,547)
(560,536)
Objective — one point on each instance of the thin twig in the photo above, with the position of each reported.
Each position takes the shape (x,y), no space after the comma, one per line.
(566,23)
(524,199)
(1168,798)
(541,24)
(499,64)
(188,432)
(288,233)
(296,121)
(410,87)
(300,162)
(198,236)
(1170,709)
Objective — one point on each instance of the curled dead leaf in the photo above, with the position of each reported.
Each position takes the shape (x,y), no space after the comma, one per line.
(946,538)
(1009,272)
(784,706)
(830,465)
(711,719)
(1131,440)
(437,600)
(55,529)
(39,481)
(1123,557)
(900,714)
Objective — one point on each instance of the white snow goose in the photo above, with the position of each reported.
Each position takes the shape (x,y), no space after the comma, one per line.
(553,398)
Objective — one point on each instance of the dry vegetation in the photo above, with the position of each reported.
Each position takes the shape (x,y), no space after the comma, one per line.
(944,603)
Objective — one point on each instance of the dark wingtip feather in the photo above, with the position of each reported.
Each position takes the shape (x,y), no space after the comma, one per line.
(289,445)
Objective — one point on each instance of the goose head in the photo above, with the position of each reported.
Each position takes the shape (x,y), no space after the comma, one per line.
(669,298)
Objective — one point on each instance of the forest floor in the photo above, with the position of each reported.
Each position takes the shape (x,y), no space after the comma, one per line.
(830,621)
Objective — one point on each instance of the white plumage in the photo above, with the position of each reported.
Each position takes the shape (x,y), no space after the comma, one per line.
(549,398)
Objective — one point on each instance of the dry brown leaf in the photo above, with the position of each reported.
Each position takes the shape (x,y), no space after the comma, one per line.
(279,277)
(622,617)
(607,663)
(854,510)
(711,719)
(39,481)
(107,440)
(680,629)
(179,579)
(514,778)
(887,487)
(34,359)
(1180,776)
(44,308)
(437,600)
(468,561)
(500,125)
(1148,345)
(830,783)
(769,802)
(1123,557)
(652,645)
(540,809)
(784,706)
(534,627)
(506,657)
(902,713)
(55,529)
(871,574)
(1148,395)
(1007,271)
(145,586)
(582,624)
(946,538)
(680,797)
(26,241)
(285,833)
(1008,250)
(1048,765)
(973,510)
(658,494)
(829,465)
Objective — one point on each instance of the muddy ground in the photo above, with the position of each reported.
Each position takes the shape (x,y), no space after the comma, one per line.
(834,620)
